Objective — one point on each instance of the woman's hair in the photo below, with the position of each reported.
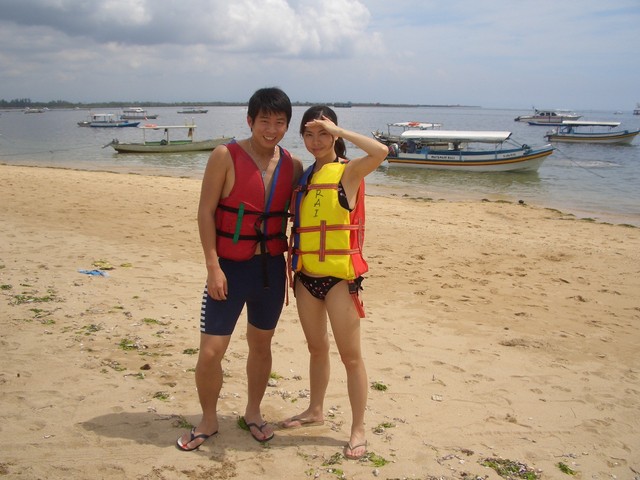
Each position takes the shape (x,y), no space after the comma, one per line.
(317,112)
(269,100)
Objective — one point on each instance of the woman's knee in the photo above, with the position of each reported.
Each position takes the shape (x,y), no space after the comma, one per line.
(352,361)
(319,347)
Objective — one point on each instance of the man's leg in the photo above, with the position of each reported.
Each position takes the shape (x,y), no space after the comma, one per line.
(258,371)
(209,383)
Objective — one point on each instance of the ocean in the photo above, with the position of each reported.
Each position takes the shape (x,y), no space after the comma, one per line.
(599,182)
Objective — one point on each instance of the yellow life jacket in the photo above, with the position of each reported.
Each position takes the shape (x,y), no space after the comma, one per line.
(327,238)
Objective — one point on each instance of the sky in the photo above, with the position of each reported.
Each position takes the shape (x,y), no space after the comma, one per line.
(574,54)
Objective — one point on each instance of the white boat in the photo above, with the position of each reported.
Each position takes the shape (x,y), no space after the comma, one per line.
(193,110)
(576,131)
(471,151)
(106,120)
(548,117)
(168,143)
(137,113)
(636,111)
(35,110)
(395,129)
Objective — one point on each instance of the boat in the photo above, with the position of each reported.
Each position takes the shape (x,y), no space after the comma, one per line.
(395,129)
(470,151)
(168,144)
(577,131)
(636,111)
(193,110)
(548,117)
(137,113)
(106,120)
(35,110)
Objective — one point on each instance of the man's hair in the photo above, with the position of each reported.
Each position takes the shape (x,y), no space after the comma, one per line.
(269,100)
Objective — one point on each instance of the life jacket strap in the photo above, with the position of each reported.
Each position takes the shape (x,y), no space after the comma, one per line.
(236,235)
(323,227)
(326,252)
(354,287)
(320,186)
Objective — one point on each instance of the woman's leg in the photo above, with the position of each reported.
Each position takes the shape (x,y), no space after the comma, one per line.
(345,324)
(313,318)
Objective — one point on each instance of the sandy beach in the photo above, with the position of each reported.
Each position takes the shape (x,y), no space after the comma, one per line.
(494,330)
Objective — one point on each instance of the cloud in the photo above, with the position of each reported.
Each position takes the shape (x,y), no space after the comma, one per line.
(321,28)
(415,51)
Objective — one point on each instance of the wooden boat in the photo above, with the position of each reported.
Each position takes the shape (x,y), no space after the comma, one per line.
(106,120)
(395,129)
(193,110)
(167,144)
(471,151)
(547,117)
(577,131)
(137,113)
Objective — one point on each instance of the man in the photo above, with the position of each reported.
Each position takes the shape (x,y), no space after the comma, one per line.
(242,220)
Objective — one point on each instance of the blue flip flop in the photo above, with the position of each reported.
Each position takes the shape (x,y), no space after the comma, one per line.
(183,447)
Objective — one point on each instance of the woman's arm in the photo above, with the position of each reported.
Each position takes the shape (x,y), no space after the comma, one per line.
(357,168)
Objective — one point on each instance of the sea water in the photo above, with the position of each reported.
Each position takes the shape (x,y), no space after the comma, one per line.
(590,181)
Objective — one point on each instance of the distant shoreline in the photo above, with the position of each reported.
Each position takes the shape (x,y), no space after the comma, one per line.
(63,105)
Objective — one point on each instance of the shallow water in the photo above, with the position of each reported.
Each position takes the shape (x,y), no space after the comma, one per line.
(594,181)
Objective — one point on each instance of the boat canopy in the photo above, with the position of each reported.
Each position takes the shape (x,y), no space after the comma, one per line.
(153,126)
(587,123)
(456,136)
(416,125)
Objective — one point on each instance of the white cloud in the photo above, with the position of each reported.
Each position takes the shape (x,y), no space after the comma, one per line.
(414,51)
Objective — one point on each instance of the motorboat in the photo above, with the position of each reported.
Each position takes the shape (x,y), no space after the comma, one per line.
(165,141)
(577,131)
(392,135)
(193,110)
(137,113)
(106,120)
(548,117)
(470,151)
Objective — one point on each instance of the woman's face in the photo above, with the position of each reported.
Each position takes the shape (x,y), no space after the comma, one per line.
(319,142)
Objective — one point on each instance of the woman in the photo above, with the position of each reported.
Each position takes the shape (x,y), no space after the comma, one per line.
(326,256)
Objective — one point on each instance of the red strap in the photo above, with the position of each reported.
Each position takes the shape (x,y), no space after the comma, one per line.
(359,304)
(323,227)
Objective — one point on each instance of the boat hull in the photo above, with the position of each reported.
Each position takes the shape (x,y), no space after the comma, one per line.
(547,117)
(548,123)
(111,124)
(625,137)
(173,147)
(135,116)
(514,160)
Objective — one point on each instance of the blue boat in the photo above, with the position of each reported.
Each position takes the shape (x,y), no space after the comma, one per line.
(106,120)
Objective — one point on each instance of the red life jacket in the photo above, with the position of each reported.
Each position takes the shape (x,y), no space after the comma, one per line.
(243,220)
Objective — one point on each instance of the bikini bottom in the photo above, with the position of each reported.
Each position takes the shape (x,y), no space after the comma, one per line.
(317,286)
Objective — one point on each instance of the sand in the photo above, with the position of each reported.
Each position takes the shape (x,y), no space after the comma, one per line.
(499,330)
